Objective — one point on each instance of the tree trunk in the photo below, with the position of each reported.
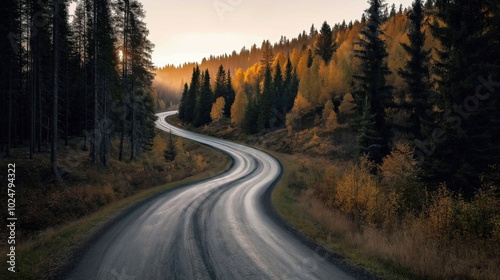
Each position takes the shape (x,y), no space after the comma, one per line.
(124,79)
(32,94)
(96,128)
(132,123)
(53,148)
(85,69)
(104,143)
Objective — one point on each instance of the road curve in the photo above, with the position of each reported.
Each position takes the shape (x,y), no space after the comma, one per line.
(214,229)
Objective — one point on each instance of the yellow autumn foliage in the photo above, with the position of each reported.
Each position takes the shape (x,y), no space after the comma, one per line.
(217,112)
(238,107)
(356,193)
(300,107)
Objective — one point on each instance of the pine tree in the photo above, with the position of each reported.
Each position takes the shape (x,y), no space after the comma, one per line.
(279,90)
(372,94)
(417,76)
(467,118)
(392,14)
(230,96)
(363,19)
(250,121)
(183,105)
(369,139)
(325,44)
(220,83)
(194,90)
(56,25)
(290,85)
(266,101)
(203,102)
(267,55)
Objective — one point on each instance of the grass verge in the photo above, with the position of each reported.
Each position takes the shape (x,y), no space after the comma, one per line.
(324,226)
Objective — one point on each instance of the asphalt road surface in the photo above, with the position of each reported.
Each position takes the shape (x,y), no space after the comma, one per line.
(214,229)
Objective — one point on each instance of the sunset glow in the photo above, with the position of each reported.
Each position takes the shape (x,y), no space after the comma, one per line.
(188,31)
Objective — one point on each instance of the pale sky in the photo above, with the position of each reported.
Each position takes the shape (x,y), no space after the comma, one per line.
(188,30)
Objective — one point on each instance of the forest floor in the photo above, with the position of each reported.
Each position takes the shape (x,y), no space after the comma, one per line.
(57,219)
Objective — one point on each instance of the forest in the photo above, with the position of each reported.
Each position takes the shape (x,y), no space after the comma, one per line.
(395,76)
(86,77)
(401,110)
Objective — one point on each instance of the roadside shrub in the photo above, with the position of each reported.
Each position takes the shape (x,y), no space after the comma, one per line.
(476,219)
(326,188)
(439,213)
(399,175)
(356,192)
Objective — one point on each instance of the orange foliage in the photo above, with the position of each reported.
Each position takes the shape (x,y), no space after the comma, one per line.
(217,112)
(300,107)
(238,108)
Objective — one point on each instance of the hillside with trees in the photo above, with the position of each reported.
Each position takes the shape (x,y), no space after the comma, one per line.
(400,108)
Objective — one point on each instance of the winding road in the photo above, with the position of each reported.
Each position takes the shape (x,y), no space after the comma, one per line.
(214,229)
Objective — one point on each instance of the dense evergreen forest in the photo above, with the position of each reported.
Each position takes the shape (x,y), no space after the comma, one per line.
(424,76)
(86,77)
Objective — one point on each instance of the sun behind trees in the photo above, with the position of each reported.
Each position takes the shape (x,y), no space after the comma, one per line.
(76,85)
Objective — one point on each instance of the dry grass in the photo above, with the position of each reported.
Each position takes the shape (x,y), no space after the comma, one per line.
(407,250)
(403,250)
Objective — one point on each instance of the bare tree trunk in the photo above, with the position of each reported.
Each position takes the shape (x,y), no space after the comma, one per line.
(104,127)
(85,69)
(132,123)
(53,147)
(124,78)
(96,128)
(32,97)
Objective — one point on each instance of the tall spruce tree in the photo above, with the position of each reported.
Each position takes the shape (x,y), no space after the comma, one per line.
(279,90)
(220,83)
(190,100)
(141,77)
(230,96)
(416,101)
(325,43)
(266,101)
(204,101)
(183,105)
(467,119)
(251,118)
(372,94)
(291,86)
(267,56)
